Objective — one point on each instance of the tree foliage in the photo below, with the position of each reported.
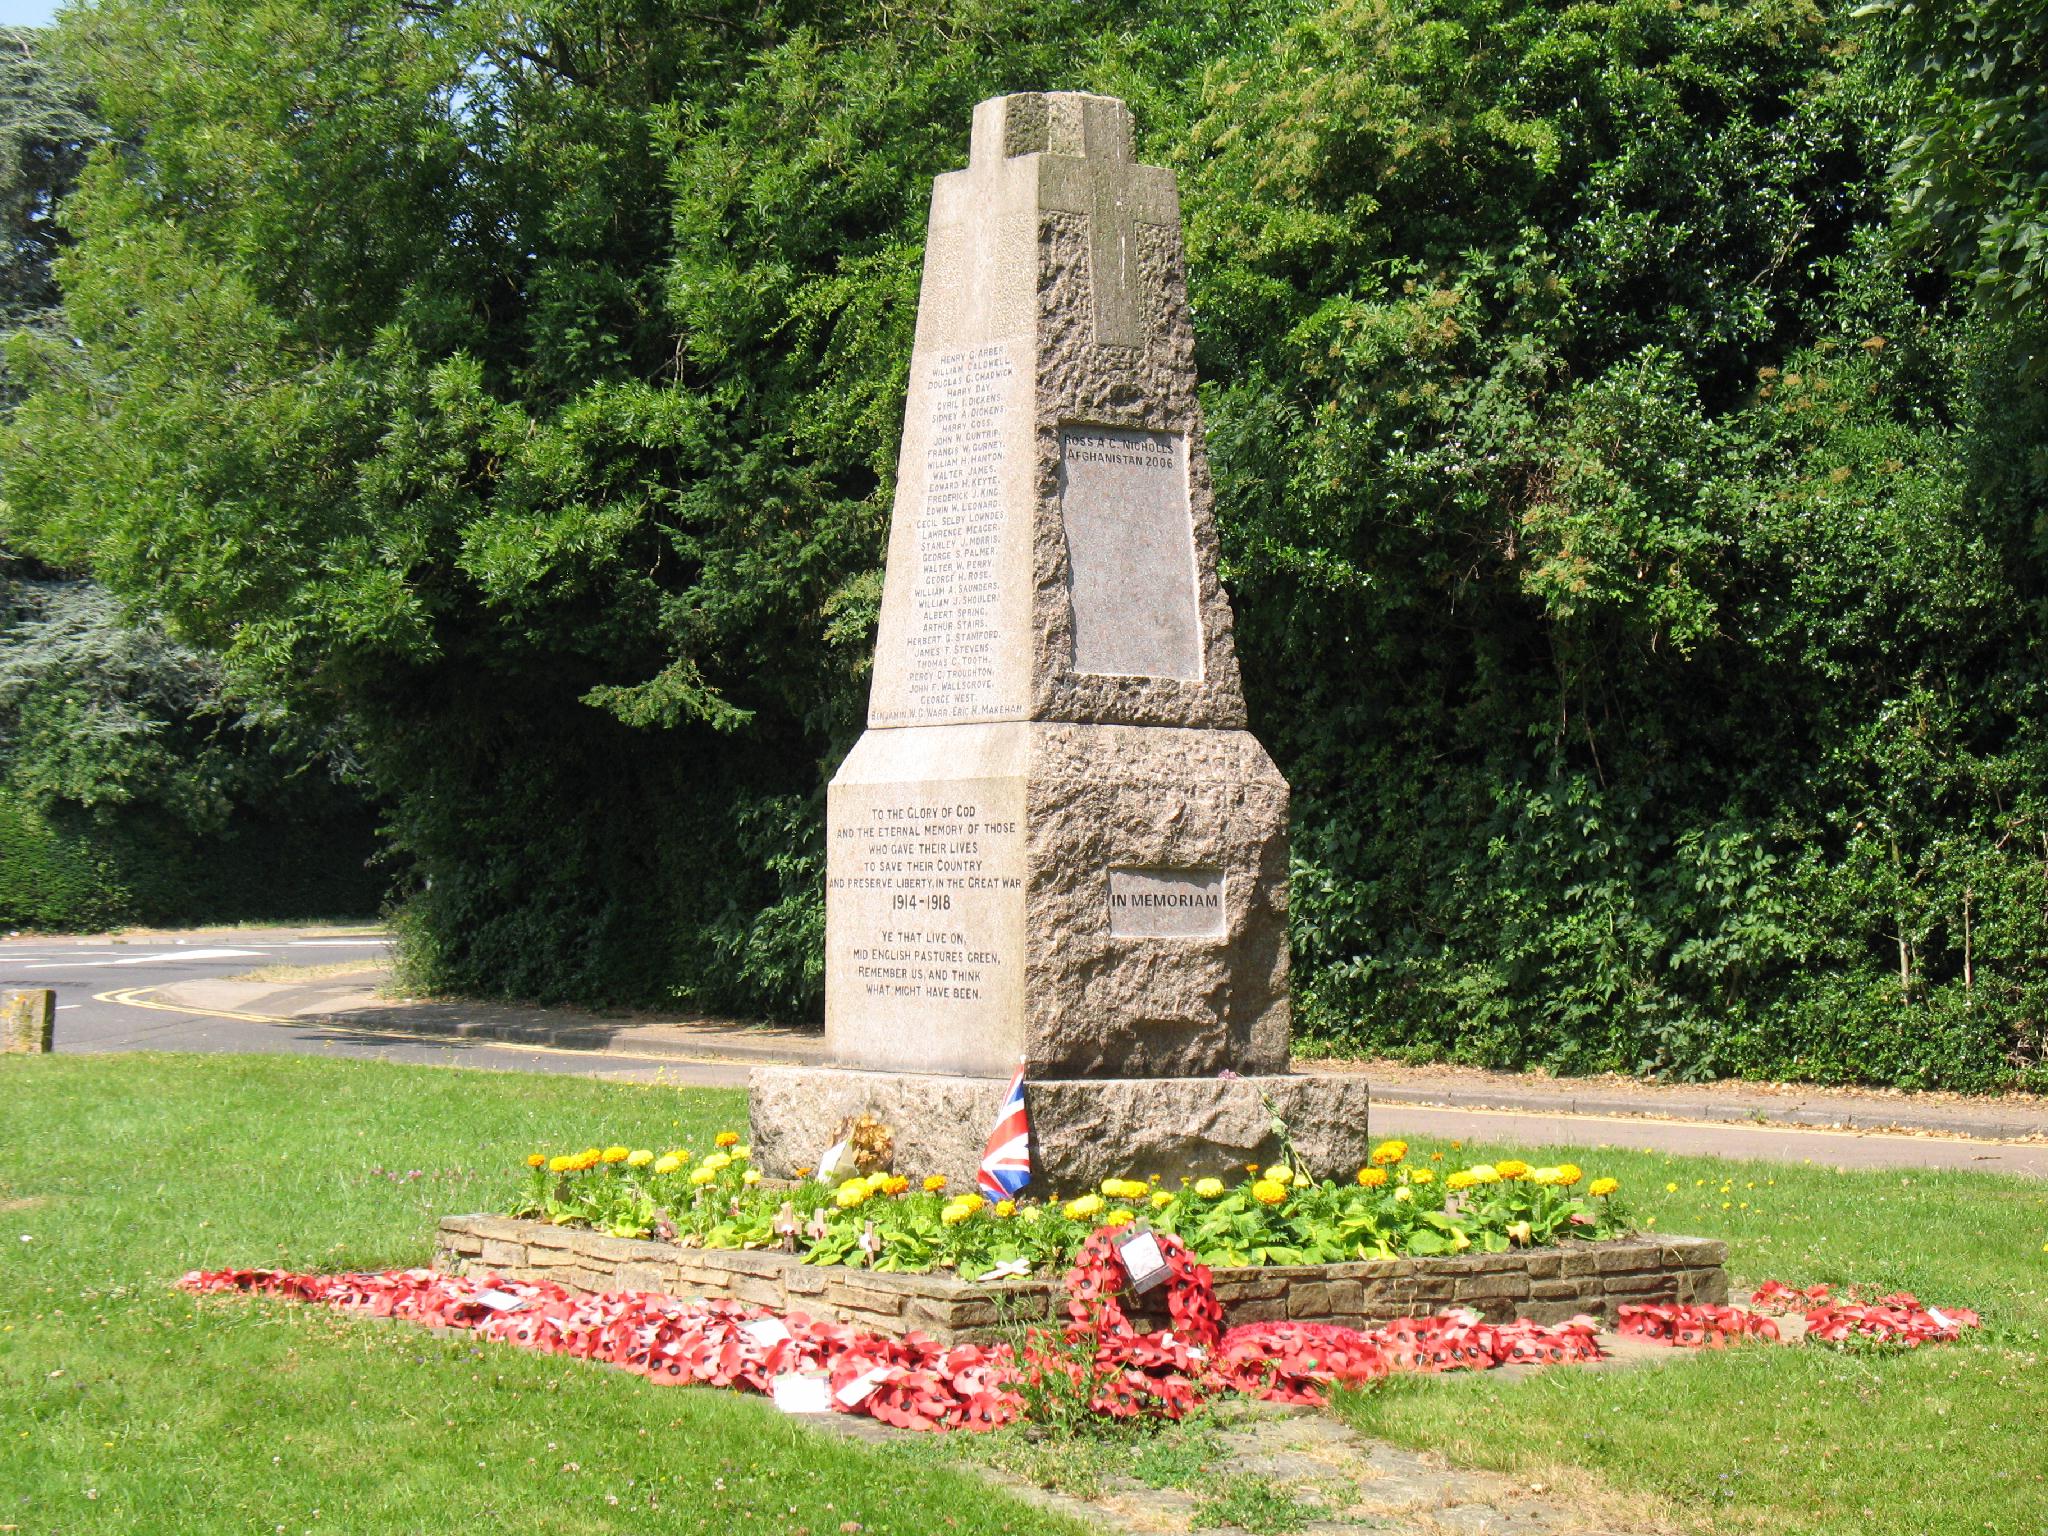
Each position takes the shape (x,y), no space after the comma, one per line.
(1638,560)
(131,789)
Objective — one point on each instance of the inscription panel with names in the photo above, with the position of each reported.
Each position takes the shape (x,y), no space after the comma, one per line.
(1130,552)
(955,666)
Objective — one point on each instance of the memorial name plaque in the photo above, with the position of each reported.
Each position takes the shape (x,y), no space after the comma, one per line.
(1130,552)
(1167,904)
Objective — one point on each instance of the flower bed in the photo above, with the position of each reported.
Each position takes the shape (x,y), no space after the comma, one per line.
(889,1222)
(1543,1284)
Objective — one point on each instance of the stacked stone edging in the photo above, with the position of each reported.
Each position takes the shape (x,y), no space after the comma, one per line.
(1545,1284)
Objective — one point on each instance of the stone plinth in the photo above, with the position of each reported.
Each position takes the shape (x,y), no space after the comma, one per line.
(1084,1130)
(1090,900)
(1546,1285)
(27,1021)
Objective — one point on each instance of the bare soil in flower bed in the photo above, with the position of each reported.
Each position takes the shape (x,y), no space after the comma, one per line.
(1543,1284)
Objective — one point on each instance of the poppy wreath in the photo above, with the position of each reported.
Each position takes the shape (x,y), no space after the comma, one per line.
(1692,1327)
(915,1383)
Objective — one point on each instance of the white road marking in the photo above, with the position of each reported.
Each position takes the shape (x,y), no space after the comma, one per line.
(335,943)
(62,1006)
(169,954)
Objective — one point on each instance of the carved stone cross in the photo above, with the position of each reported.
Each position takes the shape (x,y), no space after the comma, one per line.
(1085,167)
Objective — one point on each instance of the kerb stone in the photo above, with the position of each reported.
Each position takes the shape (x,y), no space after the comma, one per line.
(28,1021)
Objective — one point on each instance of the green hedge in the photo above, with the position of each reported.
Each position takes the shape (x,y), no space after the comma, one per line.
(80,871)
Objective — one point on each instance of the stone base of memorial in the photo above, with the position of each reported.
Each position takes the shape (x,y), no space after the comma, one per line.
(1084,1130)
(1544,1284)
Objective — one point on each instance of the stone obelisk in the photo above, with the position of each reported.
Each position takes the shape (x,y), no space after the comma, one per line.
(1056,845)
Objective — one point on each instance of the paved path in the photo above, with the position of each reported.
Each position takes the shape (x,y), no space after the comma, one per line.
(173,992)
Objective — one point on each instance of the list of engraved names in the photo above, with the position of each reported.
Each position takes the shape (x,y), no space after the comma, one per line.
(953,671)
(926,883)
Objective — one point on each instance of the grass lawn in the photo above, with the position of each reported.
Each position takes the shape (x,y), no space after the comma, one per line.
(128,1406)
(1808,1440)
(125,1405)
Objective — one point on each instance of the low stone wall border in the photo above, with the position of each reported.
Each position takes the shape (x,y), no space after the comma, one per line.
(1544,1284)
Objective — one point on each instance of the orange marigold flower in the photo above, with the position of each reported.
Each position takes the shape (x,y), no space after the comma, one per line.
(727,1138)
(934,1183)
(1387,1153)
(1371,1178)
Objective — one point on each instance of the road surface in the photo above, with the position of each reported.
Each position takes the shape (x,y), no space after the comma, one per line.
(106,1002)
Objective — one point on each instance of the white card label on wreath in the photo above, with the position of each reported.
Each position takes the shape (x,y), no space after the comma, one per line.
(765,1331)
(499,1301)
(862,1387)
(1138,1248)
(796,1393)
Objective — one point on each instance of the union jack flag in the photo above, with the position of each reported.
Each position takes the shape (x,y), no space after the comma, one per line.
(1006,1165)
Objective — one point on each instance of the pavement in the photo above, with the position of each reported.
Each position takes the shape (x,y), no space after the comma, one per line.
(323,990)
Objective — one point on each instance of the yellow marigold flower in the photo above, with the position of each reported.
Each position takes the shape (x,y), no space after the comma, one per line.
(1085,1208)
(895,1184)
(667,1163)
(742,1154)
(1387,1153)
(877,1181)
(1006,1208)
(1460,1180)
(934,1183)
(957,1211)
(1280,1173)
(851,1193)
(587,1160)
(1403,1195)
(1371,1178)
(640,1159)
(592,1153)
(702,1176)
(727,1138)
(1421,1175)
(1569,1174)
(1125,1189)
(1543,1176)
(715,1162)
(561,1164)
(617,1154)
(1513,1168)
(1485,1173)
(1161,1199)
(1119,1218)
(1601,1188)
(536,1159)
(751,1176)
(1209,1189)
(1269,1191)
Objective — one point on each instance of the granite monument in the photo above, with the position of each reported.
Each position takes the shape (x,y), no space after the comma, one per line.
(1057,845)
